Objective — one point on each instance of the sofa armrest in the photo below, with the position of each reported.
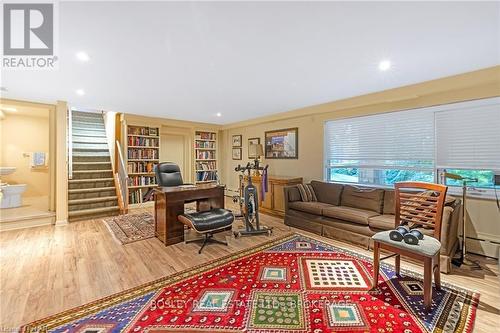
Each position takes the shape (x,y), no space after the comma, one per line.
(291,194)
(452,215)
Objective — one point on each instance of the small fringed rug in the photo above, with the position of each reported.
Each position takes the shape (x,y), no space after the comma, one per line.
(131,227)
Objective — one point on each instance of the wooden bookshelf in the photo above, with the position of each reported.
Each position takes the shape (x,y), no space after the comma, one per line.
(205,157)
(143,154)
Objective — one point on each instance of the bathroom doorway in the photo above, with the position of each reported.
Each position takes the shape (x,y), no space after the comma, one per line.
(27,172)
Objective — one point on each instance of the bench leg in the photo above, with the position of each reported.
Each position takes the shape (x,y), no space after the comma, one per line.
(437,271)
(397,261)
(376,264)
(427,283)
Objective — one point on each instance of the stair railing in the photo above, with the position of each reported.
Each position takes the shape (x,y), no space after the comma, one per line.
(121,180)
(70,144)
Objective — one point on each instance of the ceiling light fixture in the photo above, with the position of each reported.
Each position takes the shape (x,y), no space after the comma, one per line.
(384,65)
(80,92)
(218,114)
(82,56)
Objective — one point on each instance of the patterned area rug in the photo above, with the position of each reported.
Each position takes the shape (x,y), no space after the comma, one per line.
(292,284)
(131,227)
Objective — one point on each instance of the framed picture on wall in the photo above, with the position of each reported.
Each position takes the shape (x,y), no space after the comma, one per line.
(237,140)
(252,141)
(236,154)
(282,144)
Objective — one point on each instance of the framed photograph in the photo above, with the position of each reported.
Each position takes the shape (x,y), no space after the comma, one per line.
(236,153)
(252,141)
(237,140)
(282,144)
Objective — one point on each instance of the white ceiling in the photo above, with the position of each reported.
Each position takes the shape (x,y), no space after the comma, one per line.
(192,60)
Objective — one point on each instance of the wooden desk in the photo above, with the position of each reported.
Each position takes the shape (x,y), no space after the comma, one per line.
(169,203)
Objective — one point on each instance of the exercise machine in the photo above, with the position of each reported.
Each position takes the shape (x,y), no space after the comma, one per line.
(248,198)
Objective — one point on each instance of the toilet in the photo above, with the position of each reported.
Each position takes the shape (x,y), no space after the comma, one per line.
(10,195)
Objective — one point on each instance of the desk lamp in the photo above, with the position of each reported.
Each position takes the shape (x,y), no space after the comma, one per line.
(255,151)
(463,260)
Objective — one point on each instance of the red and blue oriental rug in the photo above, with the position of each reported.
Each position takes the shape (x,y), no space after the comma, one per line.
(292,284)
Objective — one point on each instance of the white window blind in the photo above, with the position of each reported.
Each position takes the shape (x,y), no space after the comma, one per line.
(468,136)
(403,140)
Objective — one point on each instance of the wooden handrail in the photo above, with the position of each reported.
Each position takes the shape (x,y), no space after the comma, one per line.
(121,179)
(70,143)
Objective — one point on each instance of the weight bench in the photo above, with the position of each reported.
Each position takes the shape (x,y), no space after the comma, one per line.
(208,223)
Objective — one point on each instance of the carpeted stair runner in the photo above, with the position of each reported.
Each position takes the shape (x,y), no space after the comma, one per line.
(91,191)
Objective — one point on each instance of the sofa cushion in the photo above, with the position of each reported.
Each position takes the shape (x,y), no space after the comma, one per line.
(350,214)
(306,192)
(309,207)
(363,198)
(389,203)
(327,192)
(382,222)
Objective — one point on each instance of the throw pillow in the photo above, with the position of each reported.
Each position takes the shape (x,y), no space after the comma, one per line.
(307,193)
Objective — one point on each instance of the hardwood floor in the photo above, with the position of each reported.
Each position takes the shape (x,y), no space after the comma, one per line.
(48,269)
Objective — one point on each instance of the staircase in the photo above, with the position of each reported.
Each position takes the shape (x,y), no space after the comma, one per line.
(91,189)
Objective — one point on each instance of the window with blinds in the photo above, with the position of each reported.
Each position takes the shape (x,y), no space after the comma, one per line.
(412,145)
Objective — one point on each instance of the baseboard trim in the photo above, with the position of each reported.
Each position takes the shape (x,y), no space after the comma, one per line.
(27,223)
(60,223)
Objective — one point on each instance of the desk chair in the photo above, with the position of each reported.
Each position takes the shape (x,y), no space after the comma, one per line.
(417,205)
(168,174)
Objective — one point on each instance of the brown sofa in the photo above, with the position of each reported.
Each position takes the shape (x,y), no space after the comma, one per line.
(355,214)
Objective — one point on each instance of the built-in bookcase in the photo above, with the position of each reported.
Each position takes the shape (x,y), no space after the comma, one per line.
(143,153)
(205,155)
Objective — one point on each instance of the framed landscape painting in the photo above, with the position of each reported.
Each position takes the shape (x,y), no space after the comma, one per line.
(282,144)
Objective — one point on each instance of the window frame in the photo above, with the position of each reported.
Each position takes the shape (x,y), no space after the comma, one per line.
(483,192)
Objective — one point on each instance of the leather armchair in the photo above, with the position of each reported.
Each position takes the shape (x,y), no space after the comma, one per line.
(168,174)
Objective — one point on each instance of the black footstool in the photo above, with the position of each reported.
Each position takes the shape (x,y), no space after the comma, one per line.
(208,223)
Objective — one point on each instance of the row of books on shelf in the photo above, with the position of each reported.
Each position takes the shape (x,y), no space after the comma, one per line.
(205,155)
(141,180)
(142,153)
(140,195)
(205,136)
(136,167)
(205,144)
(141,141)
(152,131)
(206,175)
(210,165)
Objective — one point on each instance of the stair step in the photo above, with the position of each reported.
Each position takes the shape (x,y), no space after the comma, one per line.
(90,147)
(88,139)
(91,153)
(90,180)
(91,200)
(95,134)
(91,171)
(93,211)
(91,163)
(92,189)
(86,114)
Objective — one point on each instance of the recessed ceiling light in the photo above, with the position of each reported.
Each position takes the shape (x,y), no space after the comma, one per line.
(80,92)
(384,65)
(218,114)
(82,56)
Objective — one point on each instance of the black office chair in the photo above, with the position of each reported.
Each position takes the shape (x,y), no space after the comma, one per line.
(168,174)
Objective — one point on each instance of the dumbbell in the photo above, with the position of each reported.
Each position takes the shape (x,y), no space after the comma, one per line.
(413,237)
(398,234)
